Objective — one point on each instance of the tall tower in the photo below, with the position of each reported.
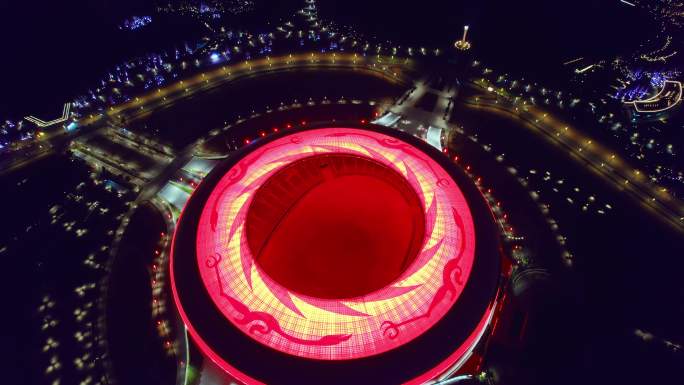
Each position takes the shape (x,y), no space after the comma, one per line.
(463,44)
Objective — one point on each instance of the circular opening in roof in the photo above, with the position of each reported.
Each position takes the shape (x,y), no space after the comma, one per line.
(335,226)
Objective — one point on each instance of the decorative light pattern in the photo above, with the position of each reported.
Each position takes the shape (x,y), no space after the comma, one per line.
(335,329)
(41,123)
(668,97)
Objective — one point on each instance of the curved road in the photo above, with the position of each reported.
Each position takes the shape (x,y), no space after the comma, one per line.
(607,164)
(388,67)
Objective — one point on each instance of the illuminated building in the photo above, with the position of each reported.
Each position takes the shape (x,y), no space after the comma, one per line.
(337,255)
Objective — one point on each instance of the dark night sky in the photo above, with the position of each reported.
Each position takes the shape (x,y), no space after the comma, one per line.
(47,44)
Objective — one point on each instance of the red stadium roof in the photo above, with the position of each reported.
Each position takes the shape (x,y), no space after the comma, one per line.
(337,252)
(326,328)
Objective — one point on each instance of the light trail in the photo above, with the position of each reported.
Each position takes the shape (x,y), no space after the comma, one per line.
(573,61)
(585,69)
(139,106)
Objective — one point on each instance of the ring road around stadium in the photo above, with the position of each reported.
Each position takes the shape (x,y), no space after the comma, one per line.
(346,254)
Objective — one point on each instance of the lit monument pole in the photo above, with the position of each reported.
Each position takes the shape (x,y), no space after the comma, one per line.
(463,44)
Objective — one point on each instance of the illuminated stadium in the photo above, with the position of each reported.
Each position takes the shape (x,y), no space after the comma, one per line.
(329,192)
(337,254)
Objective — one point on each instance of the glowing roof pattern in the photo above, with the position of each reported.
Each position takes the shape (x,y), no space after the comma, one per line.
(335,329)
